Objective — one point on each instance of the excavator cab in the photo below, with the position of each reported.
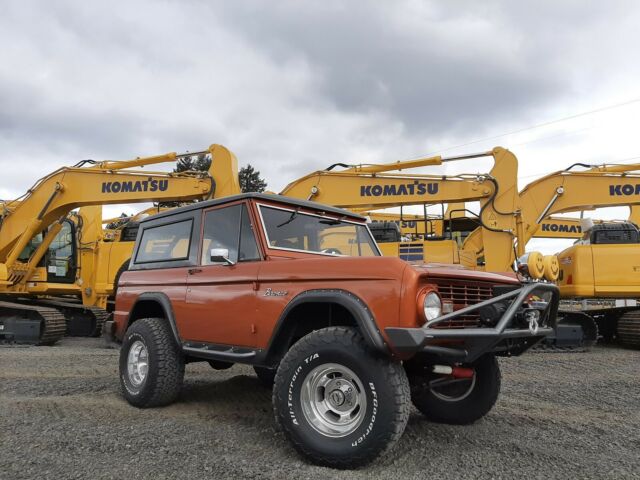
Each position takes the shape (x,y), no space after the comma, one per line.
(606,263)
(60,261)
(614,233)
(385,232)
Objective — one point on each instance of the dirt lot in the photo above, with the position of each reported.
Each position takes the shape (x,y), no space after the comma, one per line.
(574,415)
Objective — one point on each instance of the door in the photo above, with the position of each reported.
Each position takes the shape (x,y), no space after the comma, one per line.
(221,299)
(61,256)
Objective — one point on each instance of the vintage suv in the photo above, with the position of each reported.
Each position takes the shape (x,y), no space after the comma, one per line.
(346,338)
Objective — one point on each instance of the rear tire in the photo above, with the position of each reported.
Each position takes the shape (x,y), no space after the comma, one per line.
(340,404)
(151,364)
(462,402)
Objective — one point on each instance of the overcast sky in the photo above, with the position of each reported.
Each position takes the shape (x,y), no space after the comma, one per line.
(294,86)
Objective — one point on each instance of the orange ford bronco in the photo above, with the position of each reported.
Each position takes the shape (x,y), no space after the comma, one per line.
(346,338)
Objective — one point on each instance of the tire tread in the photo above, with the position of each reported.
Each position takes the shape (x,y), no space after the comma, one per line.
(394,376)
(167,381)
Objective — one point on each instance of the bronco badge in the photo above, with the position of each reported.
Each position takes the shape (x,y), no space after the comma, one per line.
(275,293)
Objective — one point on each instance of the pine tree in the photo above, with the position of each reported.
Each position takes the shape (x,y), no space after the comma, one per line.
(250,180)
(198,163)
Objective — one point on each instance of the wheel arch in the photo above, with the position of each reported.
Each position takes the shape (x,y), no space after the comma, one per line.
(344,309)
(153,304)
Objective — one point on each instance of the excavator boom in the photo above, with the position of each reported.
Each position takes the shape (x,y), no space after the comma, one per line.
(373,187)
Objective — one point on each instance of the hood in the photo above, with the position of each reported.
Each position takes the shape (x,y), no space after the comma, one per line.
(459,271)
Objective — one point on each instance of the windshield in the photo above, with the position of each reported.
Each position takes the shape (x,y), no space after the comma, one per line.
(291,230)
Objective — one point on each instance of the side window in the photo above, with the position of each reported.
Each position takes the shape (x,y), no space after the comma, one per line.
(165,243)
(248,244)
(229,228)
(221,230)
(31,247)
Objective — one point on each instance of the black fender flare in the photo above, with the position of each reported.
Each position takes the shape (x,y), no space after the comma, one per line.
(164,302)
(355,306)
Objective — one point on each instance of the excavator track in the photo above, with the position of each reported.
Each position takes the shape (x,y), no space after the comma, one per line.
(82,321)
(575,332)
(30,324)
(629,329)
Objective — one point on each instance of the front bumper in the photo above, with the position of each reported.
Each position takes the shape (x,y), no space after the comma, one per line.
(467,344)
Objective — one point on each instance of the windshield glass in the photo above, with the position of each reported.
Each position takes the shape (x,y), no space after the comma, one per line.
(290,230)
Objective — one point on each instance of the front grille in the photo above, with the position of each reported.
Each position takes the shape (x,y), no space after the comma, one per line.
(463,294)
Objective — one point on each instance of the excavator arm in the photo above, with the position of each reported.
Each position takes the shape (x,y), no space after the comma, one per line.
(564,191)
(104,183)
(568,191)
(373,187)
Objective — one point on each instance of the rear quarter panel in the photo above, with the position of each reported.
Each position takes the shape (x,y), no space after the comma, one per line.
(170,281)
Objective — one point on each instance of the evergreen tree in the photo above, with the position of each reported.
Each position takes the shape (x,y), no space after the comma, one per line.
(250,180)
(198,163)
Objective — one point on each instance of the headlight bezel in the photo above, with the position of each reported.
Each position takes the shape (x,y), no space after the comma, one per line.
(430,304)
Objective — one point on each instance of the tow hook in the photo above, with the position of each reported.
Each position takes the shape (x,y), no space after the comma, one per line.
(532,317)
(455,372)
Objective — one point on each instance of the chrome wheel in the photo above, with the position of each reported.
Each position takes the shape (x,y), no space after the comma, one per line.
(451,389)
(137,363)
(333,400)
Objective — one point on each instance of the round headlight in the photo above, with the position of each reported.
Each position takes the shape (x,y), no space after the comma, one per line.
(432,306)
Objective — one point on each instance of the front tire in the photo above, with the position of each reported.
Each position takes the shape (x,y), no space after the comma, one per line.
(339,403)
(151,364)
(452,401)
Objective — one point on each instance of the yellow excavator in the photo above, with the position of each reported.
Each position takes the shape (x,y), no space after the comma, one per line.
(600,274)
(57,266)
(371,187)
(513,221)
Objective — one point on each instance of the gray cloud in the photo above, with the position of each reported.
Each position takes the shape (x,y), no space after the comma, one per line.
(437,67)
(294,86)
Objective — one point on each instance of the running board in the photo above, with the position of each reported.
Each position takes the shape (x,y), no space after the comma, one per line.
(219,352)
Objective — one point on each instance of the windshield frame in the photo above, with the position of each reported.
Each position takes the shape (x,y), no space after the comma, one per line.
(300,211)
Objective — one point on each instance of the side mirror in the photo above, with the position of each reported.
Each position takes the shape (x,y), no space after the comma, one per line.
(220,255)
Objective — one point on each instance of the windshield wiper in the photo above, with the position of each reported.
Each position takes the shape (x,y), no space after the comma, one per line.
(293,215)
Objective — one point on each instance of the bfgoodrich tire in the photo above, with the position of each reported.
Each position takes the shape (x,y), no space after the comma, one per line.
(151,364)
(444,399)
(338,403)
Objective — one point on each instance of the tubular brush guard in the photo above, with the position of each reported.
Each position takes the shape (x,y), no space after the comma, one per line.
(465,345)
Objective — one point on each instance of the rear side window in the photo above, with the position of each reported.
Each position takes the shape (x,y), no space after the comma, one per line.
(165,243)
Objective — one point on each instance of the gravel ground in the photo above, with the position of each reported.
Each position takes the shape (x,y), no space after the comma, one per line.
(560,415)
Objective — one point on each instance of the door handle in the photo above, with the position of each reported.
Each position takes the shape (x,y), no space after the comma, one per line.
(194,270)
